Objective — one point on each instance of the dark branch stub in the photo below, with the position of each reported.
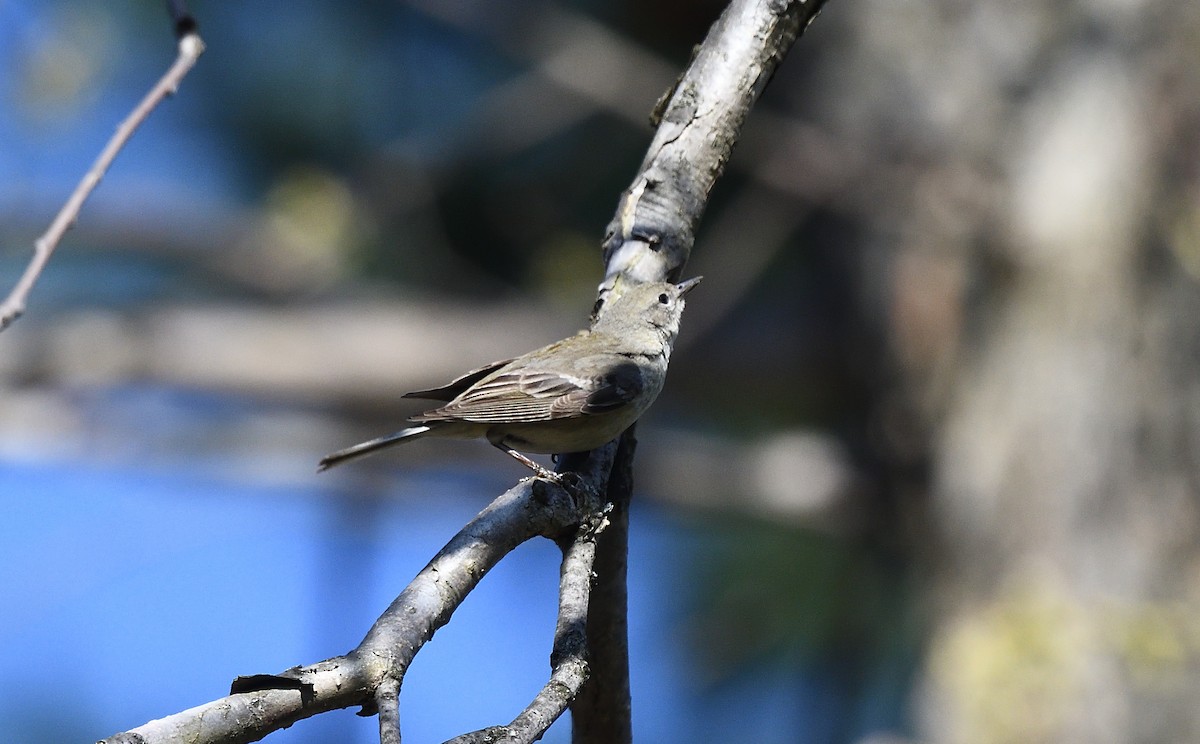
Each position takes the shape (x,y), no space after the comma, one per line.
(184,22)
(260,682)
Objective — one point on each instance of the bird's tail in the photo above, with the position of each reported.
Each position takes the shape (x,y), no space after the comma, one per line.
(366,448)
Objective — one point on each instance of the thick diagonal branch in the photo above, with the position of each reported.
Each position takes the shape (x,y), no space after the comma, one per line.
(650,239)
(651,236)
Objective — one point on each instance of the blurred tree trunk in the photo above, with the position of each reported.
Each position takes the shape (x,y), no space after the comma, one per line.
(1065,451)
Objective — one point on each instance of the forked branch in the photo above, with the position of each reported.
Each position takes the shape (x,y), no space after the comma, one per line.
(260,704)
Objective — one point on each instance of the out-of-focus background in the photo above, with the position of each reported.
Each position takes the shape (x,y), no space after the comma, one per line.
(928,465)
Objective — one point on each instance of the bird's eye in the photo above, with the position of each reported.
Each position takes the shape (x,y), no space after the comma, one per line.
(663,298)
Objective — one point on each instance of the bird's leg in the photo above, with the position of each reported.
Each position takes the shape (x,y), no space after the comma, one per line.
(542,472)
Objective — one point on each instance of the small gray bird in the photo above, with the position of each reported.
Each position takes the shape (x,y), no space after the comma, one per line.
(571,396)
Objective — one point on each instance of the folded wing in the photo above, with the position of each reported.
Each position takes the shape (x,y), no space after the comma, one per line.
(458,385)
(537,395)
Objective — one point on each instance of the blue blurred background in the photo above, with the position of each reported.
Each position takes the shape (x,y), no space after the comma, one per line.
(925,467)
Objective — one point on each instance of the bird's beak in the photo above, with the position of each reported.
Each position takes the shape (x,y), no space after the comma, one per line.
(685,287)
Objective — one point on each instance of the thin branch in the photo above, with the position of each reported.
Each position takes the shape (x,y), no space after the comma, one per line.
(568,659)
(602,712)
(190,48)
(387,702)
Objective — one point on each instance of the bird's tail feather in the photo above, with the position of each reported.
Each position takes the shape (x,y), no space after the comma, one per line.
(366,448)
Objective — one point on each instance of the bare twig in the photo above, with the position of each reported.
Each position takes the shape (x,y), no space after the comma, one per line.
(387,701)
(568,659)
(190,48)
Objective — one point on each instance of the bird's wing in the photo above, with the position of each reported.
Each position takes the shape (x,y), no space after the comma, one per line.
(529,395)
(455,388)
